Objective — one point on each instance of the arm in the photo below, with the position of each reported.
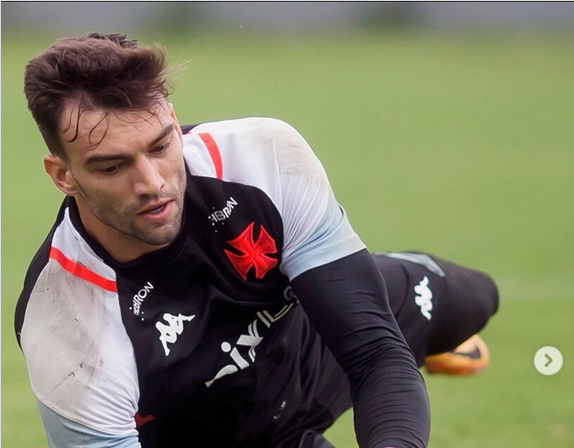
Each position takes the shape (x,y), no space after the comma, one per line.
(346,302)
(80,360)
(344,295)
(62,432)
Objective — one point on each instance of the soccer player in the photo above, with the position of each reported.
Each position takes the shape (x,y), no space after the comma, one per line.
(202,287)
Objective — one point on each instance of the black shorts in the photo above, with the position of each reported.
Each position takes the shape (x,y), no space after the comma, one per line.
(437,304)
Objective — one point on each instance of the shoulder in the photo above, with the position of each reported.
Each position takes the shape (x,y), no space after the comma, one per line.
(253,133)
(239,147)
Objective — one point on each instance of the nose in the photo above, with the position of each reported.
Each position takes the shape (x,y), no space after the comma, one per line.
(148,180)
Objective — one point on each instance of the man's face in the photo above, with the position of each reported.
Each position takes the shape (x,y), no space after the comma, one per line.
(126,173)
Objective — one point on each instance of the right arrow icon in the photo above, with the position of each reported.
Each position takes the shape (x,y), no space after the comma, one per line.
(548,360)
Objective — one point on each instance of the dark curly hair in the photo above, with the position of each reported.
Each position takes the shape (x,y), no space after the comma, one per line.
(98,71)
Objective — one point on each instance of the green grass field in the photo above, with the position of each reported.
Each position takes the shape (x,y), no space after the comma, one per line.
(459,145)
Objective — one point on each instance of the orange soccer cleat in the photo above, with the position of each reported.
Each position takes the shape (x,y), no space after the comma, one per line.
(468,358)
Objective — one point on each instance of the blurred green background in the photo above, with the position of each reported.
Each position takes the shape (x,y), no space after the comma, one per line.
(454,139)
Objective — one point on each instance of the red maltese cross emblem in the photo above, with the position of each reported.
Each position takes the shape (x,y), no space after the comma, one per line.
(252,254)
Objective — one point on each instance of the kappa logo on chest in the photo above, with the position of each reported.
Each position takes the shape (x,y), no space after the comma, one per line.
(169,333)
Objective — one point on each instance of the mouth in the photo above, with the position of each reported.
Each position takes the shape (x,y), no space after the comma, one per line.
(156,211)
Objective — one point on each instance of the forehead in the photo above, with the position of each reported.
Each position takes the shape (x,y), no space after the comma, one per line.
(88,129)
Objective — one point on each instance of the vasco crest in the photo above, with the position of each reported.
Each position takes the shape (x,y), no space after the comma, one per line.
(252,254)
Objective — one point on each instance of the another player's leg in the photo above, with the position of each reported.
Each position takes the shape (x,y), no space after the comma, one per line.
(440,307)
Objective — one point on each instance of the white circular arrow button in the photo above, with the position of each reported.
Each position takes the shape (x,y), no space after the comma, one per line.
(548,360)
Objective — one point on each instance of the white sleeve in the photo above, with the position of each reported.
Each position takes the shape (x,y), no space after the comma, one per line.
(62,432)
(316,228)
(273,156)
(80,359)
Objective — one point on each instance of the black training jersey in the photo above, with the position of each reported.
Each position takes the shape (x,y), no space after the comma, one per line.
(207,331)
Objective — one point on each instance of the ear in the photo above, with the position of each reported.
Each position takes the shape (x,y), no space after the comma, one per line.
(60,174)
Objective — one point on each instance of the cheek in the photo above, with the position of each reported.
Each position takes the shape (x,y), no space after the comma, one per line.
(104,196)
(174,169)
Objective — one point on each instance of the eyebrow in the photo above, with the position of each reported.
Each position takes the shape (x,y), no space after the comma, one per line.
(166,131)
(98,158)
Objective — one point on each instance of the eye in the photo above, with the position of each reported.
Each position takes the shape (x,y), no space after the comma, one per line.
(161,148)
(111,169)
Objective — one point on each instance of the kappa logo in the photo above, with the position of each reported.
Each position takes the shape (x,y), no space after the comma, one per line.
(169,333)
(424,297)
(252,254)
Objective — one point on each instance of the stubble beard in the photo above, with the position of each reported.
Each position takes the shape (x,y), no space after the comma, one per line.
(125,223)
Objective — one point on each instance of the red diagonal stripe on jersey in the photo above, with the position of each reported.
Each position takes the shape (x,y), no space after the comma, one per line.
(82,272)
(214,153)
